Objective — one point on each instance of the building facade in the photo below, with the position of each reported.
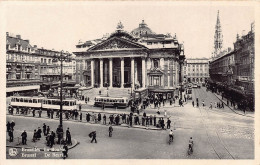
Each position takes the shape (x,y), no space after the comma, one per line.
(196,70)
(140,58)
(236,67)
(30,68)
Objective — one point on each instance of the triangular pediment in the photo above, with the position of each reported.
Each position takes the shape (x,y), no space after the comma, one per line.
(116,43)
(155,71)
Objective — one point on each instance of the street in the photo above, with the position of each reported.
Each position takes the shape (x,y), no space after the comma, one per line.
(217,134)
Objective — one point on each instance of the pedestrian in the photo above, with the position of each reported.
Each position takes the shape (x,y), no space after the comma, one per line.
(99,117)
(59,132)
(94,136)
(147,121)
(52,139)
(68,137)
(24,137)
(65,151)
(39,132)
(44,129)
(110,130)
(168,123)
(8,126)
(104,119)
(11,135)
(40,113)
(12,125)
(197,104)
(35,135)
(210,105)
(192,103)
(80,116)
(154,120)
(33,112)
(203,104)
(165,113)
(48,130)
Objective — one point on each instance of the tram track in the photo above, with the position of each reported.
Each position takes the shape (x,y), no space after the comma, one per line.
(214,139)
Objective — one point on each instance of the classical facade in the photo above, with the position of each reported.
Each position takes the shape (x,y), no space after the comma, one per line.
(196,70)
(31,68)
(140,58)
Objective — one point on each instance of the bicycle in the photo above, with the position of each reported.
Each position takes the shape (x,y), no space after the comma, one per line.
(170,139)
(190,149)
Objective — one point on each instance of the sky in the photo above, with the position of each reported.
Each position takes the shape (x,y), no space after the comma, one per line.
(60,26)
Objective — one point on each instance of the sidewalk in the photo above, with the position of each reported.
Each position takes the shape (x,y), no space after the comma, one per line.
(39,145)
(239,112)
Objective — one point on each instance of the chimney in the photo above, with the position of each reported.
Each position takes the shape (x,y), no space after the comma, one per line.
(34,46)
(18,36)
(7,34)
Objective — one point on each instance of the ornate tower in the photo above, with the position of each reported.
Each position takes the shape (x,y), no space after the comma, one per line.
(218,38)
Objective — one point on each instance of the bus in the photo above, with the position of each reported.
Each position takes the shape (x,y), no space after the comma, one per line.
(119,102)
(42,103)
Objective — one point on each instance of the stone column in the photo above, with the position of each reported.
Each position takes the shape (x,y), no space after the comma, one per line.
(101,72)
(133,72)
(122,72)
(111,72)
(143,72)
(92,72)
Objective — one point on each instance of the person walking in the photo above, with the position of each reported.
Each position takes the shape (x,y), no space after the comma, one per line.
(39,132)
(104,119)
(94,136)
(24,137)
(68,137)
(192,103)
(48,130)
(168,123)
(12,125)
(65,151)
(44,129)
(110,130)
(8,126)
(11,135)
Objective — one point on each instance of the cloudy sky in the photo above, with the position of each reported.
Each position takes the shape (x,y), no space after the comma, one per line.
(62,25)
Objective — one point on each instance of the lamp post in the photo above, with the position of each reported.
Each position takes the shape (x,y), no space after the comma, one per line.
(61,57)
(181,62)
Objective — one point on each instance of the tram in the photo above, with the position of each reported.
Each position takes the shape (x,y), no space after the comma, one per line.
(42,103)
(189,93)
(120,102)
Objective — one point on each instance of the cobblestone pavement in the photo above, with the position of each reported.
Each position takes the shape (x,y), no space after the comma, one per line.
(216,133)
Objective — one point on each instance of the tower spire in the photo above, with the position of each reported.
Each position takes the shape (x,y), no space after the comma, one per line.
(218,38)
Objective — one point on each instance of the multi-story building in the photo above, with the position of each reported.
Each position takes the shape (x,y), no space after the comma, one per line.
(222,69)
(245,58)
(236,67)
(196,70)
(233,73)
(139,58)
(29,68)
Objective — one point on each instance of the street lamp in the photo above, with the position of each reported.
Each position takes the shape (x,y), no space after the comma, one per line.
(181,62)
(67,58)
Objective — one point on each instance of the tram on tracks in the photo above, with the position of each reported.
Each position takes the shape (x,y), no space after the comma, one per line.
(42,103)
(119,102)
